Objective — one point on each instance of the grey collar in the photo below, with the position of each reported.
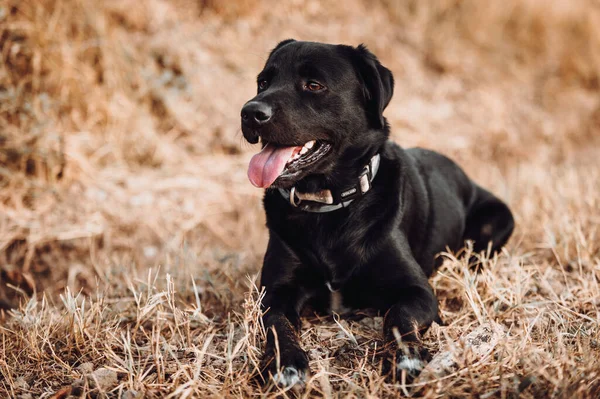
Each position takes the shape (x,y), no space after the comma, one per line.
(326,200)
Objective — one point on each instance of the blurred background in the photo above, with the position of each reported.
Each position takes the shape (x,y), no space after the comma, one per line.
(121,149)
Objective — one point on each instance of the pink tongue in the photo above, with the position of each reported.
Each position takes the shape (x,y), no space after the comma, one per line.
(268,164)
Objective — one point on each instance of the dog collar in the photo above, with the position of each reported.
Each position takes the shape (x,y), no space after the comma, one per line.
(327,200)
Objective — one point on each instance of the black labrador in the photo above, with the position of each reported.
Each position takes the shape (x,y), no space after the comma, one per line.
(354,220)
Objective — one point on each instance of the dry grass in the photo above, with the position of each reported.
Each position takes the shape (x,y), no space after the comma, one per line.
(130,238)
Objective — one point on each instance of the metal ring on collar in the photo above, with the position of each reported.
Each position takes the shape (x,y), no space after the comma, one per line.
(292,196)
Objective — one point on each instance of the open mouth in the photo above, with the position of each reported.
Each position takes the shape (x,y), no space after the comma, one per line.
(284,162)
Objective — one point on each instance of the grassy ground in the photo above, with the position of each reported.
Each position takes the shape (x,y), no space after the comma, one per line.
(130,238)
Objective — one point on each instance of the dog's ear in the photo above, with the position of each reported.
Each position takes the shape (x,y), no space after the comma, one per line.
(280,45)
(378,84)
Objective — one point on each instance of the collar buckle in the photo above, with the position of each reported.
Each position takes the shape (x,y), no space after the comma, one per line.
(292,198)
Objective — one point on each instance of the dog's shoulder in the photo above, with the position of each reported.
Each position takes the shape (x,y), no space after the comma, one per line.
(429,160)
(443,176)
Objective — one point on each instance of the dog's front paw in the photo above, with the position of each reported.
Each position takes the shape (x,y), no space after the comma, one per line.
(292,369)
(406,363)
(289,377)
(411,365)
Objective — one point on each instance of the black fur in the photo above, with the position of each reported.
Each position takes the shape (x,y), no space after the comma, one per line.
(380,250)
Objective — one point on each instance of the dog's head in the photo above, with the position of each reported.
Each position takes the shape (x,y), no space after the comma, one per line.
(318,112)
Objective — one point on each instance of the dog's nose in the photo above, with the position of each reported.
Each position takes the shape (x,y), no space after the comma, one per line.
(256,113)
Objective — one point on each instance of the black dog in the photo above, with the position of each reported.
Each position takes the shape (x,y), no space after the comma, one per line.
(354,220)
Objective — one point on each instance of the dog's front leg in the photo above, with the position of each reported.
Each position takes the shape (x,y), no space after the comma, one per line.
(403,324)
(410,307)
(284,360)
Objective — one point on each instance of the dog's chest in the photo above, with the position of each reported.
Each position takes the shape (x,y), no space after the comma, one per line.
(337,259)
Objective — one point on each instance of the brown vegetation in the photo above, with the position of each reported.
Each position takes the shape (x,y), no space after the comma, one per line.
(130,238)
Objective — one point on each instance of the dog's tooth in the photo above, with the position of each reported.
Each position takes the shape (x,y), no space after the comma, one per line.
(304,150)
(310,144)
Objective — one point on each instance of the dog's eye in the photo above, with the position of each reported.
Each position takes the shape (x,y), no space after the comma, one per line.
(262,84)
(313,86)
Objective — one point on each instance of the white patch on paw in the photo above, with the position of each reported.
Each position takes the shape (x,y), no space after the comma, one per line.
(409,364)
(289,377)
